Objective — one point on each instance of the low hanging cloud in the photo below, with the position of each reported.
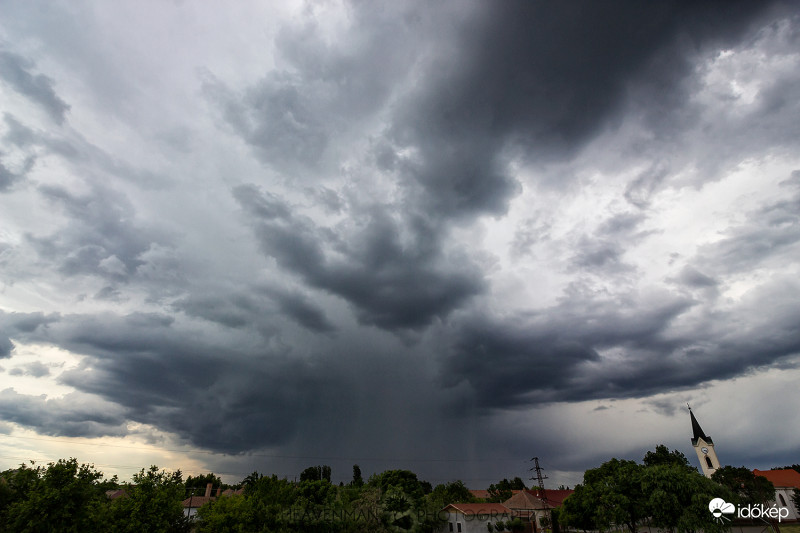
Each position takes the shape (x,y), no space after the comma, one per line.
(391,283)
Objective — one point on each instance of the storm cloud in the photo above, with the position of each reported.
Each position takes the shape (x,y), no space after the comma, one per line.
(398,234)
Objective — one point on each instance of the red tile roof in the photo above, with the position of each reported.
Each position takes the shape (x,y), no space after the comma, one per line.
(480,508)
(524,500)
(781,478)
(197,501)
(554,497)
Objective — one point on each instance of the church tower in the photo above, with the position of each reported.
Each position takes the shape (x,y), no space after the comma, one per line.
(704,447)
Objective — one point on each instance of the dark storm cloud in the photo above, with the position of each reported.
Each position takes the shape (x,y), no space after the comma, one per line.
(555,355)
(209,393)
(6,347)
(74,415)
(594,347)
(15,71)
(297,306)
(256,306)
(393,272)
(101,235)
(541,79)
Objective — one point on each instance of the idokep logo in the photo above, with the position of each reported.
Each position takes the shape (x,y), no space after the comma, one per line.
(719,508)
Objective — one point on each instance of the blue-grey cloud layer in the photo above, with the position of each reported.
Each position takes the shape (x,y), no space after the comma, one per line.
(325,287)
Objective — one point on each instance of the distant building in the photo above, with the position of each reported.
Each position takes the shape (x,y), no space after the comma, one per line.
(704,447)
(193,503)
(785,481)
(474,517)
(532,508)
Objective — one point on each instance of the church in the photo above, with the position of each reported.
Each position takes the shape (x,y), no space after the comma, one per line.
(785,480)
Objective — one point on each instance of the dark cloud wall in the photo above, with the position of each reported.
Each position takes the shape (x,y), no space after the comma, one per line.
(392,284)
(375,237)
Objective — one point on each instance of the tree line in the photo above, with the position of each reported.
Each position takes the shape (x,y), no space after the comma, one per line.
(664,491)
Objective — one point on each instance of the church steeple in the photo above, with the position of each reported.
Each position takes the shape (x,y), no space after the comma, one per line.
(704,447)
(697,430)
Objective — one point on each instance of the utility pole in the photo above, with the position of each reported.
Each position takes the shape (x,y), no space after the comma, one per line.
(542,494)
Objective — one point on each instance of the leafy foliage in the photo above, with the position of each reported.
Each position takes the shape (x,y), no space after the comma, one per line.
(151,503)
(316,473)
(65,496)
(452,492)
(664,491)
(663,456)
(198,484)
(358,481)
(748,487)
(503,490)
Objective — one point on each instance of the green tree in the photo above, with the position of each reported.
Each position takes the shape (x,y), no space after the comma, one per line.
(790,467)
(151,503)
(796,499)
(316,473)
(503,490)
(748,487)
(578,510)
(65,496)
(663,456)
(358,481)
(249,479)
(665,490)
(231,514)
(404,480)
(452,492)
(616,485)
(677,498)
(197,484)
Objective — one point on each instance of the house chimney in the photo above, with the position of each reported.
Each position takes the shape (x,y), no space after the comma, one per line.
(219,491)
(208,490)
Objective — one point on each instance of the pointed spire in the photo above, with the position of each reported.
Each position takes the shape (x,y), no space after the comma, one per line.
(697,431)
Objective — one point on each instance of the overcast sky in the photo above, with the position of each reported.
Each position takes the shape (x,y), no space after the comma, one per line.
(442,236)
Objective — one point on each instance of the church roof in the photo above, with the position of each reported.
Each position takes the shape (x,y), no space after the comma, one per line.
(786,477)
(697,431)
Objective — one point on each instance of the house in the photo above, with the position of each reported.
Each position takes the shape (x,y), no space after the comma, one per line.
(532,508)
(785,481)
(473,517)
(193,503)
(555,497)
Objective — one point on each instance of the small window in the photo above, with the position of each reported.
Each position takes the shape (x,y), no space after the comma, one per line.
(458,524)
(451,526)
(708,462)
(783,502)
